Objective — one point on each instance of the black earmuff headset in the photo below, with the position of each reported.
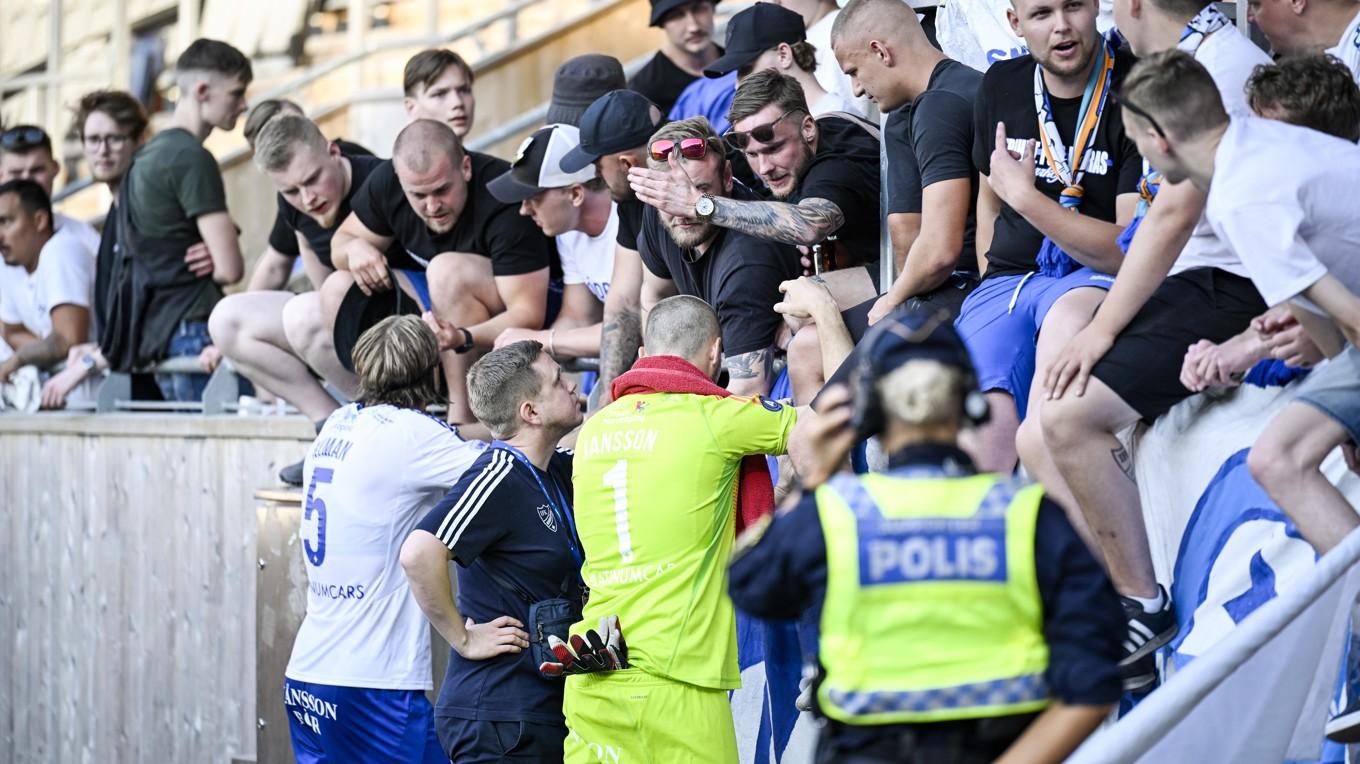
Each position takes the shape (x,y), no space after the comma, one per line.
(869,418)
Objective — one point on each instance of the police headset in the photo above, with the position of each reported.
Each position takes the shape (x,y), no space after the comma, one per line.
(868,418)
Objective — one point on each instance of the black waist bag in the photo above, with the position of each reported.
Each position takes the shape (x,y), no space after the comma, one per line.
(550,617)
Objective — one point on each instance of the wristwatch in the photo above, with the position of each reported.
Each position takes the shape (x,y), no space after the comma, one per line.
(705,206)
(468,344)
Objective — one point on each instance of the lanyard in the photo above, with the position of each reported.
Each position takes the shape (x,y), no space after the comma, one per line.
(1068,167)
(559,511)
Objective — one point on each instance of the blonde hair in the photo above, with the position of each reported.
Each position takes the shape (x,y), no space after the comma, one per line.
(500,381)
(922,392)
(395,361)
(278,141)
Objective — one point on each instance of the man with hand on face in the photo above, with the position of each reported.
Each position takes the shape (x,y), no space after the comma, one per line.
(111,125)
(487,268)
(614,133)
(685,253)
(575,209)
(931,182)
(46,285)
(277,338)
(1125,365)
(509,525)
(824,175)
(438,85)
(171,198)
(26,154)
(689,47)
(1061,181)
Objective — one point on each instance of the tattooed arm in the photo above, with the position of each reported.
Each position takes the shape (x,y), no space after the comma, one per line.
(749,373)
(621,333)
(807,222)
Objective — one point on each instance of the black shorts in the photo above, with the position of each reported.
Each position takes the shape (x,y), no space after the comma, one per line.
(1143,366)
(485,742)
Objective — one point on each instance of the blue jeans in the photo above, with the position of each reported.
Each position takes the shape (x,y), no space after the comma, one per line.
(189,339)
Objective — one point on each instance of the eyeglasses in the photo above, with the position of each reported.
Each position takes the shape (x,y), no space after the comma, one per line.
(114,141)
(1136,109)
(690,148)
(22,137)
(739,140)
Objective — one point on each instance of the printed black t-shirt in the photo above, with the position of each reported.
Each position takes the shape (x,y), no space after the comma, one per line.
(486,227)
(1113,165)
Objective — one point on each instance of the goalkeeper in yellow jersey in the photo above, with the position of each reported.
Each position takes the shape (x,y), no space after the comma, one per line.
(660,476)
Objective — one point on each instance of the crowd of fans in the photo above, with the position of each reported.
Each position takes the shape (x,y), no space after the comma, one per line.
(1111,223)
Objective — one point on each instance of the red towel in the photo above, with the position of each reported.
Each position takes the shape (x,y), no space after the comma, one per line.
(673,374)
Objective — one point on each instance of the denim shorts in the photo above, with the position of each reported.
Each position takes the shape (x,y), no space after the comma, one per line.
(1334,388)
(189,339)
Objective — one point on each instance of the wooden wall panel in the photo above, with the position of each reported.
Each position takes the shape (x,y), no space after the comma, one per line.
(127,584)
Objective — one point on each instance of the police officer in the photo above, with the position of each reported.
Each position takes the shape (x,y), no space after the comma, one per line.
(961,618)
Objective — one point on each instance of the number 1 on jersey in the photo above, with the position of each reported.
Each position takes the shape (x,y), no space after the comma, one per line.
(617,478)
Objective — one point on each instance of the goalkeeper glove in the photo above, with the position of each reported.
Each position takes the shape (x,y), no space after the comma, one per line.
(599,651)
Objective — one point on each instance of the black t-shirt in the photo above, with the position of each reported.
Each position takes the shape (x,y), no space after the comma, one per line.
(282,236)
(661,81)
(497,518)
(318,237)
(1113,165)
(739,276)
(932,141)
(845,171)
(630,223)
(486,226)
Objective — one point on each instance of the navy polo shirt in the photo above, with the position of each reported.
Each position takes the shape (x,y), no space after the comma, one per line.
(784,574)
(498,521)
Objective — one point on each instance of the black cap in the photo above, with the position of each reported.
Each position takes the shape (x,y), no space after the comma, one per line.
(661,7)
(618,121)
(358,312)
(579,81)
(754,31)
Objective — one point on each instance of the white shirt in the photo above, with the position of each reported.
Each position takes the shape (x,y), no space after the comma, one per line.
(589,259)
(371,475)
(1283,197)
(831,102)
(1348,48)
(829,74)
(64,276)
(1230,58)
(83,231)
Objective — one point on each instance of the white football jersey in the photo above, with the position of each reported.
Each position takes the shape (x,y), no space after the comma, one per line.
(370,476)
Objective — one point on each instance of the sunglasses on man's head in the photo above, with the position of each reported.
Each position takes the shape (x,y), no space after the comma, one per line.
(22,137)
(740,139)
(690,148)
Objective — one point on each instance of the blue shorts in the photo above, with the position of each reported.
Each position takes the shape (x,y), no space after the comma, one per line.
(345,724)
(421,284)
(1000,320)
(481,741)
(1334,389)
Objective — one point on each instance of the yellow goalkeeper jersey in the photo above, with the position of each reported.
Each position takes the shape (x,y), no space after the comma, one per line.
(655,481)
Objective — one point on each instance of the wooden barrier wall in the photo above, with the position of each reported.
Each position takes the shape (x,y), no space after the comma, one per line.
(127,584)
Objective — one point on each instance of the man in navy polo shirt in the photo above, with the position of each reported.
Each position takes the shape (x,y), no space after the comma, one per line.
(508,523)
